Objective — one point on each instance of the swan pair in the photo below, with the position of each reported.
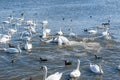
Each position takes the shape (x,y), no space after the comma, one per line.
(55,76)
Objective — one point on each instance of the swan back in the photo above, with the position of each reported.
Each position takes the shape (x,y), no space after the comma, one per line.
(96,69)
(64,39)
(14,50)
(55,76)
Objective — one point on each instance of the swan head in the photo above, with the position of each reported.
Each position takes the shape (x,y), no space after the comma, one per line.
(78,61)
(44,67)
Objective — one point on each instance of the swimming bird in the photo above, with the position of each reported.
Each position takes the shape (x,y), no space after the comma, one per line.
(60,32)
(76,73)
(22,18)
(13,61)
(106,34)
(27,46)
(44,23)
(11,45)
(55,76)
(45,32)
(118,67)
(11,30)
(13,50)
(68,62)
(43,59)
(97,57)
(71,34)
(5,38)
(92,31)
(96,69)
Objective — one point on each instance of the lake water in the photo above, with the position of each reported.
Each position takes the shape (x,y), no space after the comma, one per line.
(27,64)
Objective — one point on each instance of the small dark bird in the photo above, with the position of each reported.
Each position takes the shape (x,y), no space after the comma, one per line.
(22,14)
(63,19)
(43,59)
(85,30)
(30,78)
(11,45)
(90,16)
(68,62)
(98,57)
(13,61)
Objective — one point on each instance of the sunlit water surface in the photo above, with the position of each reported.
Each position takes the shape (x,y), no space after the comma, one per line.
(27,64)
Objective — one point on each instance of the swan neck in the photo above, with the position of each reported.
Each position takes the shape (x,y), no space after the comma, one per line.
(101,69)
(19,49)
(45,73)
(78,65)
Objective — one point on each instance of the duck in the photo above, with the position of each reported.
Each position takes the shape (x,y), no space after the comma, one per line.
(11,45)
(97,57)
(68,62)
(55,76)
(43,59)
(96,69)
(76,73)
(13,61)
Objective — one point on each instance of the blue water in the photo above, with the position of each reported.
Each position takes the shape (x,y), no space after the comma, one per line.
(27,64)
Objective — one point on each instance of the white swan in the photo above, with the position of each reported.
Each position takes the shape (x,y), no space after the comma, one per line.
(106,34)
(118,67)
(96,69)
(29,22)
(13,30)
(25,35)
(4,38)
(71,34)
(92,31)
(27,46)
(13,50)
(44,23)
(76,73)
(45,32)
(22,18)
(32,29)
(60,32)
(55,76)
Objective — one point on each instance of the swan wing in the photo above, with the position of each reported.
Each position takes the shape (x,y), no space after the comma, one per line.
(12,50)
(64,39)
(95,68)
